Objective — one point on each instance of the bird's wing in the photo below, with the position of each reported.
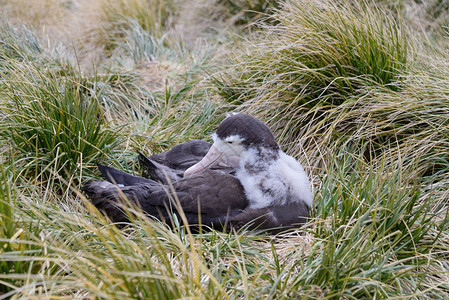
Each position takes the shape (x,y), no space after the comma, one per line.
(183,156)
(210,196)
(159,172)
(121,178)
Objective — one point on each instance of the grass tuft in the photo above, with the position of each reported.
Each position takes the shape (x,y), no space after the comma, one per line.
(116,17)
(18,42)
(319,53)
(51,115)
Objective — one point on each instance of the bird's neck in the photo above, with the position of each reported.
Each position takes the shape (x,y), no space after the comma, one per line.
(257,177)
(258,158)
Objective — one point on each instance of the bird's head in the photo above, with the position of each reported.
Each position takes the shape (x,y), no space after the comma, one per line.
(235,137)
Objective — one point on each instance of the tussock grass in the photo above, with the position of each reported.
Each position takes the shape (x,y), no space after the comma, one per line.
(244,12)
(314,68)
(117,16)
(171,102)
(18,42)
(23,258)
(51,115)
(343,87)
(373,226)
(322,50)
(53,121)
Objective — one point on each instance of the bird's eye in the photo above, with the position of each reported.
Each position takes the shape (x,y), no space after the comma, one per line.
(230,142)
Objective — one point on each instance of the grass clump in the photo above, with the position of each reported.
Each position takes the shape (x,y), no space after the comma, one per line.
(36,13)
(54,121)
(172,103)
(322,50)
(376,233)
(51,114)
(244,12)
(23,254)
(318,59)
(18,42)
(116,17)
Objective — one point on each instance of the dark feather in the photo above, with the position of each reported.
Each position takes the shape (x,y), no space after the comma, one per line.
(182,156)
(171,165)
(159,172)
(273,219)
(200,197)
(120,178)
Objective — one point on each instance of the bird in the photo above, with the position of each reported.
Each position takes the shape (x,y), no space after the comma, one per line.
(242,180)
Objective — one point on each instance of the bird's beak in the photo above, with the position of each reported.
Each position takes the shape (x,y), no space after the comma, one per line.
(212,158)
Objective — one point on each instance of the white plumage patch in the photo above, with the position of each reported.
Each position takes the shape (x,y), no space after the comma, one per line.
(278,182)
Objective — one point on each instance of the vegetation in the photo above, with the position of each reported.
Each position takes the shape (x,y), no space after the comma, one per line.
(357,93)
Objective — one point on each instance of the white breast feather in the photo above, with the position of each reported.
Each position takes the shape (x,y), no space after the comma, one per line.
(282,181)
(296,176)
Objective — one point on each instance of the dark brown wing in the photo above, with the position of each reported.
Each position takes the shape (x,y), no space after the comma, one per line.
(121,178)
(170,165)
(183,156)
(211,195)
(159,172)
